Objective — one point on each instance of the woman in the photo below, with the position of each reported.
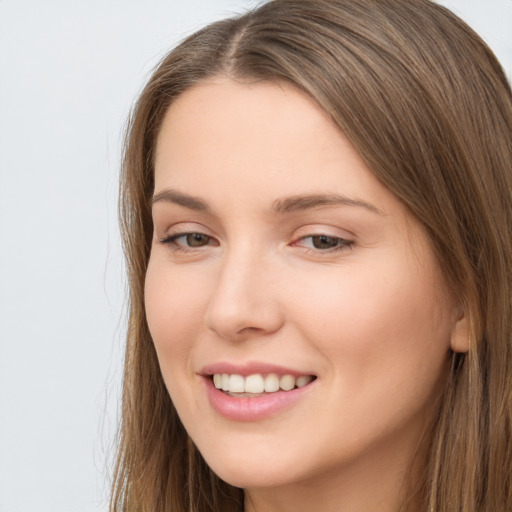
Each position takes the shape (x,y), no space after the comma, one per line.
(317,210)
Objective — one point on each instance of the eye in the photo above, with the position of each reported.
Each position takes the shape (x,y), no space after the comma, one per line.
(194,239)
(324,243)
(188,241)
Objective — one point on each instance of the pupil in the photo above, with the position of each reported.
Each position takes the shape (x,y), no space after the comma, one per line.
(324,242)
(197,240)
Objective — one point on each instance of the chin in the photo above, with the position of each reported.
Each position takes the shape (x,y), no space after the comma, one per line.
(253,478)
(253,472)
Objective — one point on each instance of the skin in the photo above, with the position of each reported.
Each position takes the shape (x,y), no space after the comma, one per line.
(371,317)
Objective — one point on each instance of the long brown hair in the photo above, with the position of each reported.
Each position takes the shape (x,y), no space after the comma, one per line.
(428,107)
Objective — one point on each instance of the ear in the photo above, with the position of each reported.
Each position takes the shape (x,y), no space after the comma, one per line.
(459,341)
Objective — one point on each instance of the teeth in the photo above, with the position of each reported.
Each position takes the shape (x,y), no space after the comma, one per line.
(257,383)
(217,380)
(303,380)
(271,383)
(254,384)
(236,384)
(225,382)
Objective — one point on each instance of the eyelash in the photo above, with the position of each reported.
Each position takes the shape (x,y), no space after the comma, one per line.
(342,244)
(171,240)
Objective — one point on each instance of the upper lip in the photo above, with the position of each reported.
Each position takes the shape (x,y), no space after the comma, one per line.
(250,368)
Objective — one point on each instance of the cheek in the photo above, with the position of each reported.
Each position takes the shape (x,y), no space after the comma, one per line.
(389,324)
(175,305)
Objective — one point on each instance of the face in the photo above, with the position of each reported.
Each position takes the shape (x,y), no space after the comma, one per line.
(279,261)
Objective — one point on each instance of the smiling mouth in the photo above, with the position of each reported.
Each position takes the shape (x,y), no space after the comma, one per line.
(258,384)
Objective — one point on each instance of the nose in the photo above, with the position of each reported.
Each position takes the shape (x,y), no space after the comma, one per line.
(244,302)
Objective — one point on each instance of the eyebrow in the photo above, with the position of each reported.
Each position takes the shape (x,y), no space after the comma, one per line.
(175,197)
(280,206)
(298,203)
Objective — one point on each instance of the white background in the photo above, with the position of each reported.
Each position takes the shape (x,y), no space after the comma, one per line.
(69,72)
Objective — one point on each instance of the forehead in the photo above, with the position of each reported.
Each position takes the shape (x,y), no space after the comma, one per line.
(223,130)
(259,112)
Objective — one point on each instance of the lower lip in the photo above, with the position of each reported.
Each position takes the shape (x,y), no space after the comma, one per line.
(252,409)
